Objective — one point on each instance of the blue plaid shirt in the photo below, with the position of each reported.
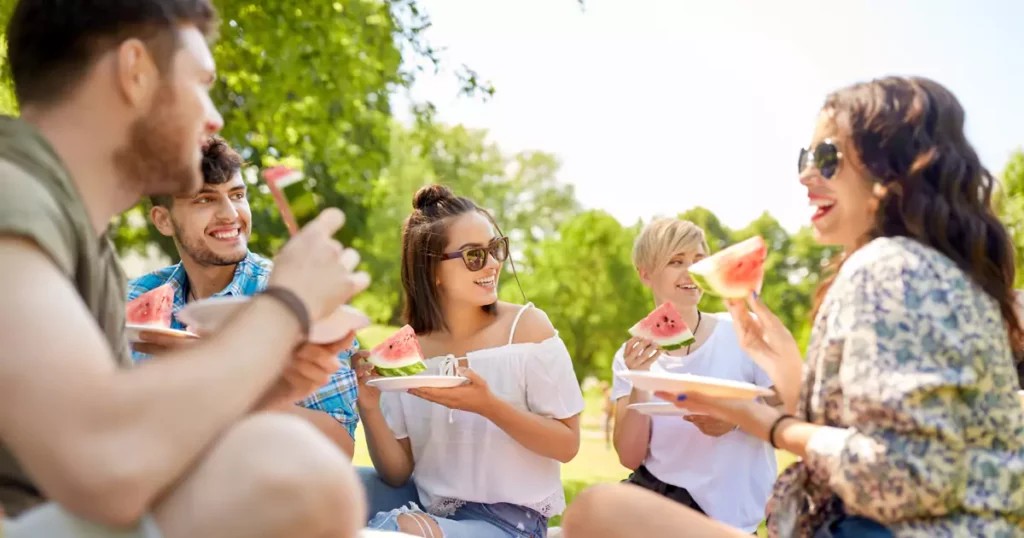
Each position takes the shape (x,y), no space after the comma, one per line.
(337,398)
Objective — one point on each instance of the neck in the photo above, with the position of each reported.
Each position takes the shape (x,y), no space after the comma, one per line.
(464,321)
(206,280)
(89,158)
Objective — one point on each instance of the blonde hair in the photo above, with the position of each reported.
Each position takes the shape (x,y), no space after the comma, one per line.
(663,238)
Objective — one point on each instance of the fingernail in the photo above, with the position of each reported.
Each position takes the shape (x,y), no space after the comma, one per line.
(360,281)
(755,294)
(680,398)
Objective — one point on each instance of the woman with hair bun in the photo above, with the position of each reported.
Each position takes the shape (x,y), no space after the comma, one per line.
(481,460)
(905,415)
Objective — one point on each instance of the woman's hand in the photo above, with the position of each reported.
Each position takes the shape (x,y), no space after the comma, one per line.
(750,416)
(367,396)
(474,396)
(640,353)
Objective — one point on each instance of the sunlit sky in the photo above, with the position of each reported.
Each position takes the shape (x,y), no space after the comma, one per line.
(655,106)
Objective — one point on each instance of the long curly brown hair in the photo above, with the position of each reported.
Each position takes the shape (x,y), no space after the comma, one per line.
(909,135)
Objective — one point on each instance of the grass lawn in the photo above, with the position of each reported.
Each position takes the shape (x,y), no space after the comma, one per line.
(595,463)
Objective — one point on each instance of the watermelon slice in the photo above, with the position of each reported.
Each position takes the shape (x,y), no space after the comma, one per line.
(152,308)
(294,197)
(733,272)
(665,327)
(399,355)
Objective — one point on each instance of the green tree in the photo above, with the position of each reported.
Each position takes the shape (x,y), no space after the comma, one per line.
(1009,204)
(584,279)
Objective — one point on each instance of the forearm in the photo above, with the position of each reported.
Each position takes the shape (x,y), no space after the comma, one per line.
(547,437)
(787,376)
(632,432)
(159,417)
(327,424)
(392,462)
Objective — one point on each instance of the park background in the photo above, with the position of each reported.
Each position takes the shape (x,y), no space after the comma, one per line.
(574,121)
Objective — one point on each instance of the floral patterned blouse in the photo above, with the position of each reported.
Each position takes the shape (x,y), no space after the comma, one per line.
(910,364)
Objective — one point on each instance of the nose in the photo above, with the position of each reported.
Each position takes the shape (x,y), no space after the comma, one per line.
(214,120)
(226,210)
(810,177)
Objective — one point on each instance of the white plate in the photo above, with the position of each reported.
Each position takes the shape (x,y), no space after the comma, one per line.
(132,332)
(687,383)
(1021,394)
(660,409)
(209,315)
(396,384)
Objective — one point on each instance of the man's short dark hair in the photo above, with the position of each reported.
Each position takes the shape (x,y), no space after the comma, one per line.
(51,44)
(220,163)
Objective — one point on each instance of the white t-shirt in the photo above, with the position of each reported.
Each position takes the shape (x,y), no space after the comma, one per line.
(463,457)
(731,476)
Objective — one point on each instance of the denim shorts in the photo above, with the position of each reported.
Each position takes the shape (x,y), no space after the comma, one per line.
(471,520)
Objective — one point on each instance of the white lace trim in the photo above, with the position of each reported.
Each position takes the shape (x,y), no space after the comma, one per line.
(549,507)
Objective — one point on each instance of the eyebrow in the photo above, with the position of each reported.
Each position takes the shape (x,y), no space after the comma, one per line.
(467,245)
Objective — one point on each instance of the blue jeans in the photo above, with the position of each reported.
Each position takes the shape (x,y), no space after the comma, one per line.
(847,526)
(471,520)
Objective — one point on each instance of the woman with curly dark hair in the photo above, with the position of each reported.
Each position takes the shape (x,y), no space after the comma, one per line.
(905,414)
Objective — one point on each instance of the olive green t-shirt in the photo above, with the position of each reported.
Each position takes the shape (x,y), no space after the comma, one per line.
(38,201)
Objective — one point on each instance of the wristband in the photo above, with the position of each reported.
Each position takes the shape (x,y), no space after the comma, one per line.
(775,425)
(293,303)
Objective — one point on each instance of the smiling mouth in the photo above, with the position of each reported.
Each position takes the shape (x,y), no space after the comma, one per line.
(487,283)
(821,207)
(688,287)
(226,235)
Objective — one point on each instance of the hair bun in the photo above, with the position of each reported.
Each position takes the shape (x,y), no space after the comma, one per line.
(431,195)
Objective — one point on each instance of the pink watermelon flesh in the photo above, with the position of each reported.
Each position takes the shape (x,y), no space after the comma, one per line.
(292,195)
(399,355)
(665,327)
(153,308)
(734,271)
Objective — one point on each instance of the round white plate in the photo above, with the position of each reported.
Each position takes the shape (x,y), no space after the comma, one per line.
(132,332)
(688,383)
(396,384)
(660,409)
(209,315)
(1021,394)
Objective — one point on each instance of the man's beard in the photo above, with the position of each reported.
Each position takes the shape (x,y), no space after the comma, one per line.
(199,252)
(154,159)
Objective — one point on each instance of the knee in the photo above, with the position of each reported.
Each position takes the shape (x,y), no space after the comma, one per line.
(418,524)
(298,470)
(588,509)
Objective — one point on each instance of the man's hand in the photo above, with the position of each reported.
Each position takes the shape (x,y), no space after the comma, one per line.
(310,368)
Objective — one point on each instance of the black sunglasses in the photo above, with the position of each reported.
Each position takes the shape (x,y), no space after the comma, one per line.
(825,157)
(475,258)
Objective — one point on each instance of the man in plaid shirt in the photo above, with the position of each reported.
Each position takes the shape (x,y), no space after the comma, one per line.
(211,231)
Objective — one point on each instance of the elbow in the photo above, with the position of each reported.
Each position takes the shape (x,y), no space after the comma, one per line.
(568,455)
(107,495)
(629,457)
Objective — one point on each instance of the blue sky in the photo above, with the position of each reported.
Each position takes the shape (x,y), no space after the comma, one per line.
(655,106)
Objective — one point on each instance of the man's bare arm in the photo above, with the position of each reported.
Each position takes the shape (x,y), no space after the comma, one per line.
(102,441)
(327,424)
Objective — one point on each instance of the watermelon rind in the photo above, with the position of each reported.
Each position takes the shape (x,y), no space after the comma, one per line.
(684,338)
(411,369)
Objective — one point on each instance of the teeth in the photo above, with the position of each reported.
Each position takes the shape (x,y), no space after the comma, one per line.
(689,287)
(226,235)
(485,281)
(818,202)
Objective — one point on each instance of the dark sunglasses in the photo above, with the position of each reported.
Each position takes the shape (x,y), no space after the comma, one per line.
(475,258)
(825,157)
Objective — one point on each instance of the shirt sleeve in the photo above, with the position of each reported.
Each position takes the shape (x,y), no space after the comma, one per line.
(338,397)
(552,389)
(905,371)
(29,211)
(621,388)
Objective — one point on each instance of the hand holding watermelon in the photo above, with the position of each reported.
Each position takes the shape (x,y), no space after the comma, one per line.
(367,396)
(314,266)
(764,337)
(640,353)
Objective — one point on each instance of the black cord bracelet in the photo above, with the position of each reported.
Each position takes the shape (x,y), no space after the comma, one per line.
(293,303)
(771,431)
